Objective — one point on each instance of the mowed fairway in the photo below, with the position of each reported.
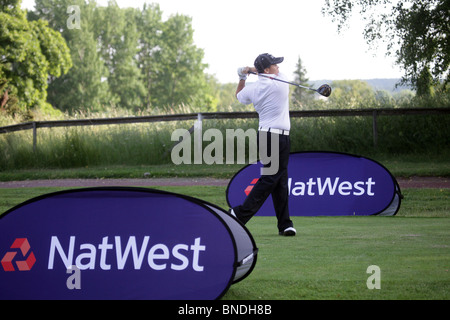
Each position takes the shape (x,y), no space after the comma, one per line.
(329,257)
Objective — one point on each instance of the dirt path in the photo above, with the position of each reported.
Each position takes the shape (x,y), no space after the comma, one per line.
(405,183)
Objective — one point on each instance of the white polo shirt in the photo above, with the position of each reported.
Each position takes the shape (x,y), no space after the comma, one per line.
(271,101)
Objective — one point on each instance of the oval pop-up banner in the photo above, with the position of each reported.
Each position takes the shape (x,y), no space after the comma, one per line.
(326,184)
(121,243)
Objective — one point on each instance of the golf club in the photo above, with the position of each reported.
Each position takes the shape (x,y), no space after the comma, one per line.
(324,90)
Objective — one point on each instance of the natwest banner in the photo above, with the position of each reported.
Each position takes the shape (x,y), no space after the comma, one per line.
(121,243)
(326,184)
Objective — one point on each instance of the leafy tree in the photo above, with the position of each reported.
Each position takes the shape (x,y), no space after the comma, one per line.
(84,86)
(403,97)
(149,23)
(118,36)
(226,97)
(352,94)
(126,57)
(384,99)
(30,52)
(416,31)
(179,78)
(8,103)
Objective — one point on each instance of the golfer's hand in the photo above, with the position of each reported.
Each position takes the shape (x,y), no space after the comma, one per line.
(242,73)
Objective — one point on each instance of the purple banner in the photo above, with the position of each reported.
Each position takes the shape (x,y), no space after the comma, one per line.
(123,243)
(326,184)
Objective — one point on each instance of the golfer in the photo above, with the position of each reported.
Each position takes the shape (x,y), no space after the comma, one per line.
(271,101)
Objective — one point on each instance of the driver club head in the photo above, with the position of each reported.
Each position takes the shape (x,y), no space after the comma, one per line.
(324,90)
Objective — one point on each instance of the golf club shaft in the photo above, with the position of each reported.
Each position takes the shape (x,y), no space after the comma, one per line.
(291,83)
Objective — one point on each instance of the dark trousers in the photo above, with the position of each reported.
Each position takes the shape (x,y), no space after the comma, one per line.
(275,185)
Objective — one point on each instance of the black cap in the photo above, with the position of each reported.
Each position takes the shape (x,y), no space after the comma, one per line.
(265,60)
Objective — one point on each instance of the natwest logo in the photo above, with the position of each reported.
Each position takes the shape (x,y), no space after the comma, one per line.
(325,184)
(331,187)
(250,187)
(158,257)
(23,265)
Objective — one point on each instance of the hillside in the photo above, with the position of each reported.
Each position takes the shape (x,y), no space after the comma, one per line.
(376,84)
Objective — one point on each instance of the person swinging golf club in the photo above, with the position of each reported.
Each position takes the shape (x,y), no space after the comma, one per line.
(271,102)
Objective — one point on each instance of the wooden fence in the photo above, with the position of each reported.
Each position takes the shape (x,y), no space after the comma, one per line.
(374,113)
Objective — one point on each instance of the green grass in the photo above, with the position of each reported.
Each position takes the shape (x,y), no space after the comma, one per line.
(151,143)
(425,203)
(224,171)
(329,256)
(416,165)
(429,203)
(399,166)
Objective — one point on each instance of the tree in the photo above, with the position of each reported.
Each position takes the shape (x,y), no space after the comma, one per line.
(8,102)
(84,87)
(30,53)
(149,25)
(352,94)
(126,57)
(117,34)
(300,96)
(179,78)
(416,31)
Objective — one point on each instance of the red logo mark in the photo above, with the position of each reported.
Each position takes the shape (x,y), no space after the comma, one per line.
(22,265)
(250,187)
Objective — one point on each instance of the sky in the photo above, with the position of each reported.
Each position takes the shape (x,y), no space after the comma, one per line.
(233,33)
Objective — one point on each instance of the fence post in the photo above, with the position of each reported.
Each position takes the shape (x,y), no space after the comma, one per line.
(375,128)
(34,136)
(198,139)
